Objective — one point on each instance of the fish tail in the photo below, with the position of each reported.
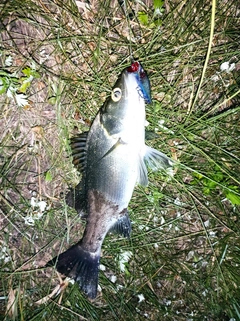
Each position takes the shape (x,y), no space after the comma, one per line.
(80,265)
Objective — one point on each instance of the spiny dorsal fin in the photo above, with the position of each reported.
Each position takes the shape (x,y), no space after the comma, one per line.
(78,146)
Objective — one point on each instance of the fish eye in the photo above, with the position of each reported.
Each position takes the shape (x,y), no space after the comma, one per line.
(116,94)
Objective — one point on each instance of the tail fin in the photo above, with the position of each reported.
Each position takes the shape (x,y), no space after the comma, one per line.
(80,265)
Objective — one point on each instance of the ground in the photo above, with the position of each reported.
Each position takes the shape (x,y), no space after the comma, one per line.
(58,63)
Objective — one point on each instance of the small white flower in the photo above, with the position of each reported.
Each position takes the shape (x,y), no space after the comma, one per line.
(167,302)
(123,258)
(206,223)
(162,220)
(42,205)
(119,287)
(113,278)
(212,234)
(29,79)
(158,12)
(205,292)
(69,280)
(102,267)
(4,256)
(140,298)
(37,215)
(21,100)
(178,214)
(11,91)
(143,227)
(204,264)
(226,66)
(33,201)
(178,202)
(215,78)
(28,220)
(8,61)
(160,124)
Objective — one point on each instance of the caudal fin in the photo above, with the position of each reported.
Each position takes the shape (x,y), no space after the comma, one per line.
(80,265)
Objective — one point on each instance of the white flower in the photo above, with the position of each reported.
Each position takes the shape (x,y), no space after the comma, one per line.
(226,66)
(167,302)
(33,201)
(123,258)
(4,256)
(164,128)
(102,267)
(29,220)
(8,61)
(11,91)
(206,223)
(21,100)
(140,298)
(69,280)
(113,278)
(42,205)
(162,220)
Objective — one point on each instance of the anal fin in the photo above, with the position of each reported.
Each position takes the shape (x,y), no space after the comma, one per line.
(123,225)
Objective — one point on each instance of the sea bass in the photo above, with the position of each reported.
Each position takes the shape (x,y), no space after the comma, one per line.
(112,157)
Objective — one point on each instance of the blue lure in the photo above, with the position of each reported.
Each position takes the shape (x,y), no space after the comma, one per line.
(142,80)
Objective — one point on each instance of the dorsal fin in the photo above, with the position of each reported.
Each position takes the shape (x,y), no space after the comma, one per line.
(78,146)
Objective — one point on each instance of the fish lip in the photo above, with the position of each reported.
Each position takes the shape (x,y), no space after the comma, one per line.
(142,80)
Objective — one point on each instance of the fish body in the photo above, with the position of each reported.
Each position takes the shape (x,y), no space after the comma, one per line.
(112,157)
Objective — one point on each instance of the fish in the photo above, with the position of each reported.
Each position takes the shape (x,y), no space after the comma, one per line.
(113,158)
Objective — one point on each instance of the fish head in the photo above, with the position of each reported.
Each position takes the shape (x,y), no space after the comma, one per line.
(127,99)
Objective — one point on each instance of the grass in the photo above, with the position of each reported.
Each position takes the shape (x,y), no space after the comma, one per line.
(185,243)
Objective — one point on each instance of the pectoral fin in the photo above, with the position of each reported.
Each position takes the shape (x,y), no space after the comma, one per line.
(156,160)
(142,172)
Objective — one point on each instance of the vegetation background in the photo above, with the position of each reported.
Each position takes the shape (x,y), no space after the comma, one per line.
(58,63)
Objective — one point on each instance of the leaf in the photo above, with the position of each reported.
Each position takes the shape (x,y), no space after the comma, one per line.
(233,198)
(48,177)
(27,71)
(143,18)
(158,4)
(3,89)
(25,85)
(52,100)
(30,72)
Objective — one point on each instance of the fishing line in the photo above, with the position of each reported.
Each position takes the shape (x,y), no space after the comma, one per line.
(124,8)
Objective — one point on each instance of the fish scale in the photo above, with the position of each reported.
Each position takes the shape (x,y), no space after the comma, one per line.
(112,157)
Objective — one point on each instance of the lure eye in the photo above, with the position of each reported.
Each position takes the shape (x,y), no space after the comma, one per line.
(116,94)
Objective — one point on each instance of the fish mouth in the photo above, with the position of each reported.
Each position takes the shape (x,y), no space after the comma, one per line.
(142,80)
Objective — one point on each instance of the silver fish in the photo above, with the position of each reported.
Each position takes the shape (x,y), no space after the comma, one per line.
(112,157)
